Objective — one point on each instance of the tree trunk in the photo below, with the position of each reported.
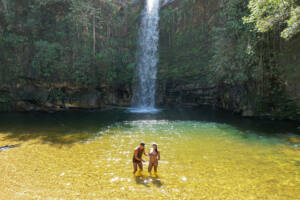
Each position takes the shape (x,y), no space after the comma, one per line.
(5,6)
(94,34)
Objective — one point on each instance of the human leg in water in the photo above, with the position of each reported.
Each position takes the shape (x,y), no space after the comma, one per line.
(150,167)
(155,166)
(134,167)
(140,164)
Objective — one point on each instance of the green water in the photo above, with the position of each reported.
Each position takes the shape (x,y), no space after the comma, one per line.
(205,154)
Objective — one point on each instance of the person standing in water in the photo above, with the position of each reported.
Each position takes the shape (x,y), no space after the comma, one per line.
(137,157)
(154,156)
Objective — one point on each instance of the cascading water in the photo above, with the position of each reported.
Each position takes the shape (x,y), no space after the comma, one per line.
(144,95)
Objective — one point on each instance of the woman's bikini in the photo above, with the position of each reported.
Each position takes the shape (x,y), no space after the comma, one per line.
(153,155)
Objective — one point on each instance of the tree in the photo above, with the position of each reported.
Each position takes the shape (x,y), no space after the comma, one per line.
(269,14)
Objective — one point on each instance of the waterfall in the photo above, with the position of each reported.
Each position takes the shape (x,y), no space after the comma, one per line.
(144,93)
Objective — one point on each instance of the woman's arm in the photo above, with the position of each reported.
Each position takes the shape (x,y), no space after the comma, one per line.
(158,155)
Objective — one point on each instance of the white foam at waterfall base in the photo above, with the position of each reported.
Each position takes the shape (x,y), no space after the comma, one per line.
(143,110)
(143,100)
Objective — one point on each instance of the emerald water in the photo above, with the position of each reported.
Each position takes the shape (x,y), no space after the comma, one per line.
(205,154)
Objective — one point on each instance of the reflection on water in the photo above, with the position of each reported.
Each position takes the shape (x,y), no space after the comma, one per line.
(204,155)
(146,181)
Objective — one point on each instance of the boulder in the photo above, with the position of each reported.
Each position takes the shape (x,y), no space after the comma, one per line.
(247,112)
(23,106)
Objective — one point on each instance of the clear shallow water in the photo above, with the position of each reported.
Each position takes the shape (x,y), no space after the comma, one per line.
(204,155)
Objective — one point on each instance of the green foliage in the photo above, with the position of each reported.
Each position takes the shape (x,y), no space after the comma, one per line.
(268,14)
(293,24)
(84,43)
(232,44)
(212,45)
(46,59)
(4,100)
(184,45)
(57,95)
(234,47)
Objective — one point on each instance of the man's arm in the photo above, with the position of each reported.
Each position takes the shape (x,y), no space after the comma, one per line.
(136,155)
(145,153)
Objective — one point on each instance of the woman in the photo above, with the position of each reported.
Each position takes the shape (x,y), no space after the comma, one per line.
(154,156)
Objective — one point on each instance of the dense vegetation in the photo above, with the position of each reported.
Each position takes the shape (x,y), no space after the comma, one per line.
(248,50)
(81,42)
(245,48)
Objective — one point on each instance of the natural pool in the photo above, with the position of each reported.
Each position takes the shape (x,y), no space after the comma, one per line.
(205,154)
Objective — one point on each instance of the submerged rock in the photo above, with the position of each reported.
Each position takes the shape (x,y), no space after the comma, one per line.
(247,112)
(8,147)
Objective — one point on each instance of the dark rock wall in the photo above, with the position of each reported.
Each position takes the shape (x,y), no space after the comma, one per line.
(35,97)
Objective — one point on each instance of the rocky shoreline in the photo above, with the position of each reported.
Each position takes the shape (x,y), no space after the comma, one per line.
(36,97)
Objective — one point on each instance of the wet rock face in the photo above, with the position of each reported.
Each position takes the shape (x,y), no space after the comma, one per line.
(31,97)
(186,94)
(162,2)
(49,98)
(195,94)
(166,2)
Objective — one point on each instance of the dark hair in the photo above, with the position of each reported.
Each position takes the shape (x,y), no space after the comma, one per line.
(156,147)
(142,143)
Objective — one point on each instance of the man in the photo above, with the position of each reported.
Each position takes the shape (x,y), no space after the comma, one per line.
(137,157)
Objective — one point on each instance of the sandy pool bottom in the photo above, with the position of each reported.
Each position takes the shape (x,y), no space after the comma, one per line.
(198,161)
